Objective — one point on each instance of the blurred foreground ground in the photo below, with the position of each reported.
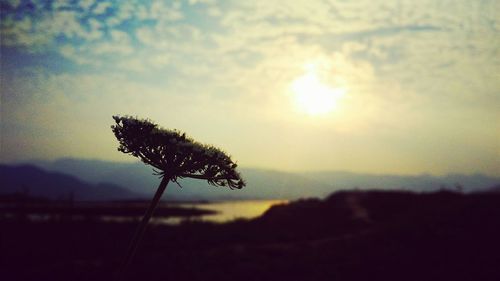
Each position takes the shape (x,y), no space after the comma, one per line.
(355,235)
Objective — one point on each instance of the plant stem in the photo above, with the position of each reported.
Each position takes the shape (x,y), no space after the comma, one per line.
(141,228)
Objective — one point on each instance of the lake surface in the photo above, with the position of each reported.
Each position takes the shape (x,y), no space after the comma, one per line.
(226,211)
(223,212)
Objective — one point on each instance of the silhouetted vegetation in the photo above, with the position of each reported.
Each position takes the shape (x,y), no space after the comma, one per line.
(352,235)
(174,156)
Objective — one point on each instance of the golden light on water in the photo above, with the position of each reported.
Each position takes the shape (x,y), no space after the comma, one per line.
(230,210)
(312,95)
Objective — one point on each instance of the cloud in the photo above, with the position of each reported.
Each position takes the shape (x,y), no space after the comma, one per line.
(118,44)
(86,4)
(101,8)
(194,2)
(403,43)
(421,61)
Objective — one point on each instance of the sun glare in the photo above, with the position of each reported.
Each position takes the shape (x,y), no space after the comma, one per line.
(312,96)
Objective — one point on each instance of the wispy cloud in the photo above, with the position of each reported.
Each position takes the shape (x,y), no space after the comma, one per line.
(419,61)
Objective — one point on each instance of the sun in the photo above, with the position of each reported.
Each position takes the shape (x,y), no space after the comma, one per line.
(312,96)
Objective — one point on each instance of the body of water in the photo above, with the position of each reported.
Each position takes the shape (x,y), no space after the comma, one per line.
(226,211)
(223,212)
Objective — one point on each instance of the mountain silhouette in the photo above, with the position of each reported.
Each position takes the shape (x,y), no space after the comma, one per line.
(35,181)
(261,183)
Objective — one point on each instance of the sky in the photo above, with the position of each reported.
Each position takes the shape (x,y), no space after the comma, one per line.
(374,86)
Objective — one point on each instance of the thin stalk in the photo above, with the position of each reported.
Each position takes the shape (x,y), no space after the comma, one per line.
(141,228)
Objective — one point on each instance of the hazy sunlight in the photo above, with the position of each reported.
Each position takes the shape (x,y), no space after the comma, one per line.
(312,96)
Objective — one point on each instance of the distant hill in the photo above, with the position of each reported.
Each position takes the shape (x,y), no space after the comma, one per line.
(492,189)
(261,183)
(33,181)
(139,178)
(424,182)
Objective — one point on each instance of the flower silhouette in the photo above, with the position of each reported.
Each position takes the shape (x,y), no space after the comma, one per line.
(172,155)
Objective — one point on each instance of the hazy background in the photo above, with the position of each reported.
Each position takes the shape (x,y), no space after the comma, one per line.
(421,80)
(316,100)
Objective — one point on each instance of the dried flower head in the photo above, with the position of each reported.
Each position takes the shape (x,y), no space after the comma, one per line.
(174,154)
